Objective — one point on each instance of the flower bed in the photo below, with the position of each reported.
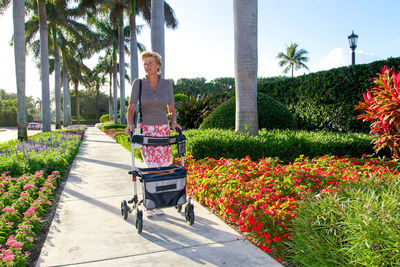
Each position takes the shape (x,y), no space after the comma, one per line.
(262,198)
(46,151)
(23,201)
(30,174)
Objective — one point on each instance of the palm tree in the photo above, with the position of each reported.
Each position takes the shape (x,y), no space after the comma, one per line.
(19,54)
(245,27)
(61,23)
(44,66)
(294,59)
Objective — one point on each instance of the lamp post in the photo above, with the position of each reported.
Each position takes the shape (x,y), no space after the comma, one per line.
(353,44)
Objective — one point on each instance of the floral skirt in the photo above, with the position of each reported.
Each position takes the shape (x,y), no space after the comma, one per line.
(156,156)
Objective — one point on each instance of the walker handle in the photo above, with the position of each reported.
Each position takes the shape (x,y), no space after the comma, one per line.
(179,131)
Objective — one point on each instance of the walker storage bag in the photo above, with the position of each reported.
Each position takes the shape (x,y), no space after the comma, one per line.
(164,187)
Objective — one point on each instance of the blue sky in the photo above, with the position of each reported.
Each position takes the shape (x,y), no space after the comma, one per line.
(202,45)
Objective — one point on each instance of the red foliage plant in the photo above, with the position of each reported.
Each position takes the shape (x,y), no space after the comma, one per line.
(381,106)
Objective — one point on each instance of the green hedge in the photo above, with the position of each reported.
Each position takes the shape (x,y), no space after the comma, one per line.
(271,115)
(285,144)
(325,99)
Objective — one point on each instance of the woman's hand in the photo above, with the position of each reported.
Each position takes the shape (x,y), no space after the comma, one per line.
(129,128)
(175,125)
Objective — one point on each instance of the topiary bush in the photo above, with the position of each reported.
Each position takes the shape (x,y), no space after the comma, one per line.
(180,97)
(271,115)
(105,118)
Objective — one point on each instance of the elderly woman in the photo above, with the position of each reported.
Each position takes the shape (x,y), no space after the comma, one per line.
(157,97)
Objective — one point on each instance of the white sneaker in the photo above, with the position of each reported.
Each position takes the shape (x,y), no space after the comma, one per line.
(158,212)
(148,213)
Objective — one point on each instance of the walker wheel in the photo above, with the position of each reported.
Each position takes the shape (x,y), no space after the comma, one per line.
(178,208)
(189,213)
(124,209)
(139,221)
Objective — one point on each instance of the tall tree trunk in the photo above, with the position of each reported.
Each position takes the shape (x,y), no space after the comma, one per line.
(110,102)
(57,81)
(246,60)
(134,50)
(115,81)
(44,67)
(97,102)
(157,30)
(19,53)
(67,120)
(122,72)
(292,69)
(78,117)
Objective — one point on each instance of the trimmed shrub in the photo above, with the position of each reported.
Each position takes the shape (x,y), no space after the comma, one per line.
(287,145)
(113,126)
(180,97)
(105,118)
(271,115)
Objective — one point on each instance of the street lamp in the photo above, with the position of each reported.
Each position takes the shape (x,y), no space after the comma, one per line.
(353,44)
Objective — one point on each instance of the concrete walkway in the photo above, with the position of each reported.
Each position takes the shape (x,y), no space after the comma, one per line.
(88,229)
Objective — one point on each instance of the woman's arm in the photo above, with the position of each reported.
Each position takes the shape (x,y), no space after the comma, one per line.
(131,113)
(172,113)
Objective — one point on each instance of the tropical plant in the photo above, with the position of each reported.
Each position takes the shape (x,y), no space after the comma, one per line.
(245,25)
(191,111)
(293,58)
(382,108)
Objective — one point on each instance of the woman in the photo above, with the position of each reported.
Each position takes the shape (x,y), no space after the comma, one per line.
(157,97)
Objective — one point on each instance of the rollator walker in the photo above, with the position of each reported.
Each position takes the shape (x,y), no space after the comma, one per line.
(162,187)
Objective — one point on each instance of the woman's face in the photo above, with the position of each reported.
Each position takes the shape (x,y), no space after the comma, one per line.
(150,66)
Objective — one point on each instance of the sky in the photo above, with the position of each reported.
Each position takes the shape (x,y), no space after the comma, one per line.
(203,43)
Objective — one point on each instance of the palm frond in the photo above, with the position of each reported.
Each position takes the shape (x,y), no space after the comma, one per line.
(4,4)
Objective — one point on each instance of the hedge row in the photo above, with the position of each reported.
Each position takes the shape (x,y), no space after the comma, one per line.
(287,145)
(325,99)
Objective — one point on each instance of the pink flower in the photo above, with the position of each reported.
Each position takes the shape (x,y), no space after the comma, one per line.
(7,258)
(11,209)
(28,186)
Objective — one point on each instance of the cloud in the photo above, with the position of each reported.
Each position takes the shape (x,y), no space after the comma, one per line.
(336,58)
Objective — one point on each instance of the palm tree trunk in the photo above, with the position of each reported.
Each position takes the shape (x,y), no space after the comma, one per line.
(44,66)
(292,69)
(122,72)
(67,120)
(78,117)
(19,53)
(115,74)
(246,60)
(157,30)
(57,81)
(110,102)
(97,102)
(134,50)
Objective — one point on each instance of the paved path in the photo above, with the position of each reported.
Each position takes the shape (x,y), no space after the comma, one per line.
(88,229)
